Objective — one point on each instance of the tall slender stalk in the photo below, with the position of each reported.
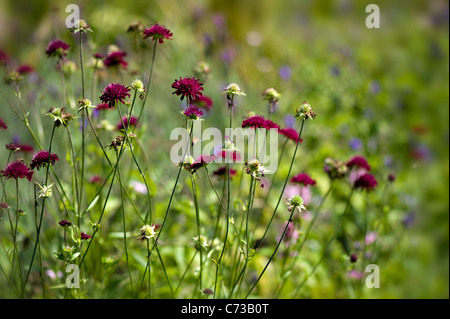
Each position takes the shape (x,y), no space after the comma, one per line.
(42,209)
(197,217)
(284,185)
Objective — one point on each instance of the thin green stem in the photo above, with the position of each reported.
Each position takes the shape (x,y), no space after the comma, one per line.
(284,185)
(197,216)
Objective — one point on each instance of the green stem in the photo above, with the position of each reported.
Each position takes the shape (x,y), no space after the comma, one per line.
(42,209)
(284,186)
(197,216)
(149,82)
(273,254)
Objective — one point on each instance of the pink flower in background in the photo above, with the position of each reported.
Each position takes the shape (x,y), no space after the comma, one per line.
(41,158)
(304,179)
(358,161)
(115,58)
(3,125)
(366,182)
(204,102)
(290,134)
(371,238)
(57,48)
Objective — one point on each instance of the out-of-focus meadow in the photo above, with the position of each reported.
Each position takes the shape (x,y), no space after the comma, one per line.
(380,93)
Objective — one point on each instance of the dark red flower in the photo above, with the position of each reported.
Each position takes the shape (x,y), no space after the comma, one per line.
(4,58)
(255,121)
(12,147)
(85,236)
(41,158)
(17,170)
(258,121)
(303,179)
(193,112)
(158,32)
(204,102)
(98,56)
(3,205)
(366,182)
(57,48)
(353,258)
(3,125)
(189,87)
(270,124)
(391,177)
(113,93)
(202,160)
(95,179)
(26,148)
(290,134)
(222,172)
(103,106)
(234,155)
(64,223)
(133,122)
(358,161)
(24,69)
(115,58)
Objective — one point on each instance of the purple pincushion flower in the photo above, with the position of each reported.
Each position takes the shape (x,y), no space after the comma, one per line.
(17,170)
(43,157)
(115,58)
(290,134)
(358,161)
(189,87)
(57,48)
(366,182)
(193,112)
(158,32)
(113,93)
(303,179)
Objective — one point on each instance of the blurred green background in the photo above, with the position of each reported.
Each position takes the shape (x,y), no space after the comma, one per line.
(382,93)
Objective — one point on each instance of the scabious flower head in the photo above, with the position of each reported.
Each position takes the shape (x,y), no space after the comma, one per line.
(17,170)
(305,111)
(147,232)
(24,69)
(3,205)
(271,95)
(68,67)
(233,89)
(353,258)
(12,147)
(138,86)
(57,48)
(188,87)
(201,161)
(269,124)
(115,58)
(60,116)
(203,102)
(303,179)
(41,158)
(202,70)
(113,93)
(123,124)
(4,58)
(254,122)
(201,243)
(158,32)
(391,177)
(366,182)
(290,134)
(103,106)
(85,236)
(3,125)
(254,168)
(335,169)
(192,112)
(222,172)
(64,223)
(46,190)
(358,161)
(295,202)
